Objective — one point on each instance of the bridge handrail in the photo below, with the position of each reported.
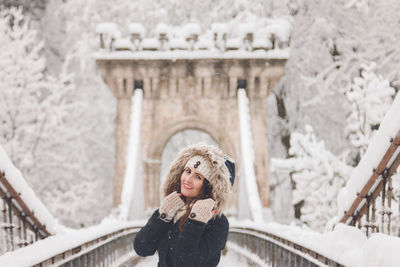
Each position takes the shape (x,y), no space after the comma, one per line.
(357,199)
(75,244)
(376,184)
(24,217)
(306,254)
(20,208)
(110,244)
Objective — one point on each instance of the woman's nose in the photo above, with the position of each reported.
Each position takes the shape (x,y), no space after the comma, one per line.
(189,177)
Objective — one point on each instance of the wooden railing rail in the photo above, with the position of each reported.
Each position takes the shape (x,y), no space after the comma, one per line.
(19,223)
(266,249)
(362,212)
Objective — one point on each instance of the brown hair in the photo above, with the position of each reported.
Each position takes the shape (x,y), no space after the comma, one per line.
(206,192)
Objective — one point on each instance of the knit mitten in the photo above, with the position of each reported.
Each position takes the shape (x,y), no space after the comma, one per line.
(202,210)
(170,205)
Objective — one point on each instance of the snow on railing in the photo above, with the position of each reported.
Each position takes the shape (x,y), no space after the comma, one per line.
(247,156)
(247,37)
(107,244)
(259,244)
(372,179)
(273,244)
(133,186)
(24,217)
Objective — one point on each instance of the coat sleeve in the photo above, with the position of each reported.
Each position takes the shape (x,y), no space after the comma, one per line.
(198,244)
(147,239)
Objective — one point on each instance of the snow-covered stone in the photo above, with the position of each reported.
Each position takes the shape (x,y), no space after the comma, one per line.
(192,29)
(123,44)
(162,28)
(136,28)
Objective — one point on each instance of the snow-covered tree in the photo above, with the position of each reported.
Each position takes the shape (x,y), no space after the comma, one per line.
(370,96)
(49,130)
(28,97)
(318,176)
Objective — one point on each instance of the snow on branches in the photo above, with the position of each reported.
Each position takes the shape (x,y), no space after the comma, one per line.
(318,176)
(29,96)
(370,96)
(50,130)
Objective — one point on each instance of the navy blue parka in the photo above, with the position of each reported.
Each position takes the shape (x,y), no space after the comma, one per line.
(198,245)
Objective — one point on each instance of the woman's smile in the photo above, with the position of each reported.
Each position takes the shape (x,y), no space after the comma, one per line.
(187,187)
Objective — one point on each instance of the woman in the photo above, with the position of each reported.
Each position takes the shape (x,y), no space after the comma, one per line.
(189,228)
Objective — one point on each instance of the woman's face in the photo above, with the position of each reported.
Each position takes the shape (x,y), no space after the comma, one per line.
(191,183)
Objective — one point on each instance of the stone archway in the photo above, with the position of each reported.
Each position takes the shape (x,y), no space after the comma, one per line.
(152,162)
(176,143)
(190,93)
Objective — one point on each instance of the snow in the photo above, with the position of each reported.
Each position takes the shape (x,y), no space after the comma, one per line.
(148,43)
(14,177)
(346,245)
(244,252)
(123,44)
(262,43)
(192,29)
(233,43)
(205,43)
(162,29)
(136,28)
(247,158)
(178,43)
(132,188)
(107,27)
(219,28)
(381,250)
(388,129)
(319,176)
(370,96)
(54,245)
(279,28)
(246,28)
(199,54)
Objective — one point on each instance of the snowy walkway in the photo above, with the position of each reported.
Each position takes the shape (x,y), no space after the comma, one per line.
(229,260)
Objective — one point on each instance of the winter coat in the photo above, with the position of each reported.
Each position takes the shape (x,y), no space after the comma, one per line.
(198,244)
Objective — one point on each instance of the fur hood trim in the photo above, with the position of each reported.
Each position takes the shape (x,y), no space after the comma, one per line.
(219,177)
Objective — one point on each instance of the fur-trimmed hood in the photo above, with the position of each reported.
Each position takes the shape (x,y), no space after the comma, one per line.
(219,178)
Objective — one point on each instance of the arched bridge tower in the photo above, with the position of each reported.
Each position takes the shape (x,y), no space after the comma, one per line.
(187,88)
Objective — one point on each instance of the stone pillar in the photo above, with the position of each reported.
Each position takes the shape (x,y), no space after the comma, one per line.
(152,170)
(123,91)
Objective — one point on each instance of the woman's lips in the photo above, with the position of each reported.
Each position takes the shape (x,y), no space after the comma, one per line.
(186,187)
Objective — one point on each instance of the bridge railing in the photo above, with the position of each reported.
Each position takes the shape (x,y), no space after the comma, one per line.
(19,223)
(107,244)
(114,249)
(363,210)
(261,248)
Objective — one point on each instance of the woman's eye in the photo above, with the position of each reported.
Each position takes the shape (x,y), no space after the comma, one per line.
(188,171)
(198,177)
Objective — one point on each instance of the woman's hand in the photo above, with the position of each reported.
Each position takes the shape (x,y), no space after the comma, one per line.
(170,205)
(202,210)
